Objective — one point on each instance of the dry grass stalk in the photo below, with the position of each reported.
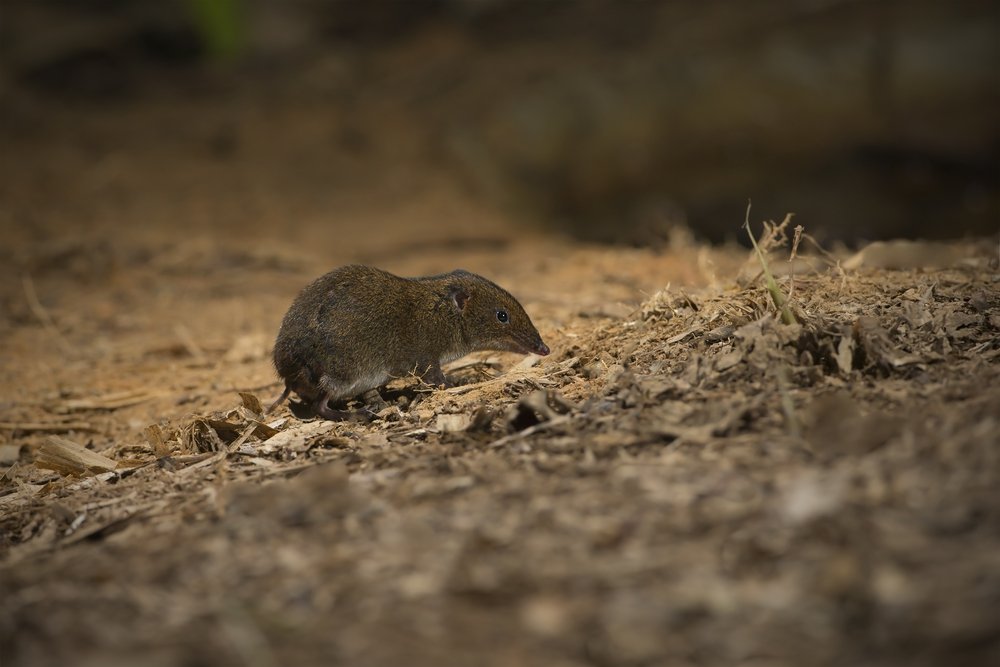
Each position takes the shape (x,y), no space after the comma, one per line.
(777,296)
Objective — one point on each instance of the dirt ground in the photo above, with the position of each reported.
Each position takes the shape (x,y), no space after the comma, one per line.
(685,480)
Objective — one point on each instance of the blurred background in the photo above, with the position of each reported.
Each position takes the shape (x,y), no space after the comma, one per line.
(354,123)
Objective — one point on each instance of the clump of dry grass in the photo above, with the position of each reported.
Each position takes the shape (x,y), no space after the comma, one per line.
(777,296)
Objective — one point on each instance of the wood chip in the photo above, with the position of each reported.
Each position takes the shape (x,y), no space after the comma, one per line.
(453,423)
(298,435)
(68,458)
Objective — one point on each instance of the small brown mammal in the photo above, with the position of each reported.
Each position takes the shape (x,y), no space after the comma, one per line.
(357,327)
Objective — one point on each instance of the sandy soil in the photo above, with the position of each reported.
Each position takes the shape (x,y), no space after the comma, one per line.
(685,480)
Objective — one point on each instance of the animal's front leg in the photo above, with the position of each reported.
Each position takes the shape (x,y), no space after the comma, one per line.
(373,401)
(434,375)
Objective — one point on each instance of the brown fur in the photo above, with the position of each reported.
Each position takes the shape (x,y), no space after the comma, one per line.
(357,327)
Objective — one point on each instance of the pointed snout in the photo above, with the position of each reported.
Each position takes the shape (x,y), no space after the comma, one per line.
(528,347)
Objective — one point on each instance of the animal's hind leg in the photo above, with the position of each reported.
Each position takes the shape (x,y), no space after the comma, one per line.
(321,406)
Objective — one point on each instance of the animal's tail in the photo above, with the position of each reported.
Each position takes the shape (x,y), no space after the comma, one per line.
(281,399)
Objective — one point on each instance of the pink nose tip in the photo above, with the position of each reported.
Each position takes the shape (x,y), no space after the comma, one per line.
(542,349)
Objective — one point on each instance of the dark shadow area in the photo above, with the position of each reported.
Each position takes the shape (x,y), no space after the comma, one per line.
(611,121)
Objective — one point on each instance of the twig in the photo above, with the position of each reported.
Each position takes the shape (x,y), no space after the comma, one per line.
(557,421)
(238,442)
(491,362)
(796,239)
(508,378)
(213,458)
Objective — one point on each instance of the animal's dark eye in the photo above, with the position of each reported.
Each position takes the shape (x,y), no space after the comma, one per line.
(503,316)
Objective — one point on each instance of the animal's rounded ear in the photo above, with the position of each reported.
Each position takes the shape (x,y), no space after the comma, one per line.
(460,297)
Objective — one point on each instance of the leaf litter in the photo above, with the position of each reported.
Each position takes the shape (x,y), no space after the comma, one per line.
(696,482)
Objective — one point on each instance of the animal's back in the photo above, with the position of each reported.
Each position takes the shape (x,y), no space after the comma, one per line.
(333,336)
